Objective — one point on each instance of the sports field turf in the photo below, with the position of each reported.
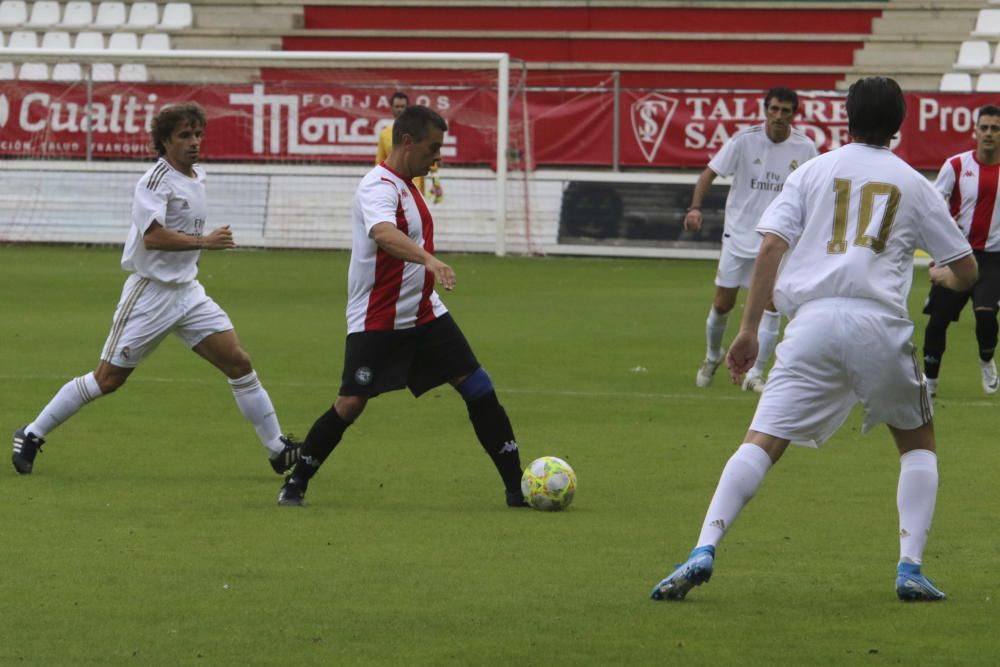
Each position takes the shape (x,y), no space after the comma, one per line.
(149,533)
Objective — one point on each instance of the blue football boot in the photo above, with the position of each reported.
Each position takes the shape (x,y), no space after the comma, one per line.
(695,571)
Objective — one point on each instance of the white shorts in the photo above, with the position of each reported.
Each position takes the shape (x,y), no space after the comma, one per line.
(149,310)
(836,353)
(734,271)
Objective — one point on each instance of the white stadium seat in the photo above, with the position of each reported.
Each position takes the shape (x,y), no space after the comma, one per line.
(6,71)
(989,82)
(974,55)
(66,72)
(176,16)
(55,40)
(3,40)
(78,14)
(91,41)
(155,41)
(44,13)
(955,82)
(143,15)
(988,22)
(33,72)
(132,72)
(110,15)
(102,72)
(123,41)
(13,13)
(22,39)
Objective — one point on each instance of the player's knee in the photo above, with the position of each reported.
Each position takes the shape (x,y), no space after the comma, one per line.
(239,365)
(476,385)
(349,408)
(109,382)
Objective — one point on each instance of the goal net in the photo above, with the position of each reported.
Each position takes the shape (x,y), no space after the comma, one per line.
(289,136)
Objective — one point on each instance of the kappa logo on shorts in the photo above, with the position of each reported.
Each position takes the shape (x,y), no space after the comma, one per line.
(363,375)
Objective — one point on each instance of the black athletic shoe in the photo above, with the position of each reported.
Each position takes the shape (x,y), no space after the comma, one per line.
(288,456)
(516,499)
(26,447)
(293,492)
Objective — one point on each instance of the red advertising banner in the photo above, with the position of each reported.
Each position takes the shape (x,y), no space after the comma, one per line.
(316,121)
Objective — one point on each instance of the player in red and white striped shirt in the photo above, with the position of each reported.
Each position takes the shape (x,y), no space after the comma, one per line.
(399,334)
(968,182)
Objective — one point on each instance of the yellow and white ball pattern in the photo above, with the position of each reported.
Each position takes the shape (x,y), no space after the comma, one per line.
(548,484)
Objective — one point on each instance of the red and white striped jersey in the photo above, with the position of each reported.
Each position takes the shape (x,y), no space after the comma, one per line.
(383,292)
(970,188)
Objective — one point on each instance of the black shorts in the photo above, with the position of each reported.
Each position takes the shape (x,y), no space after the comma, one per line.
(984,294)
(420,358)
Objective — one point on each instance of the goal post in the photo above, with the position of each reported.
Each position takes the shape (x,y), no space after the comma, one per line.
(50,124)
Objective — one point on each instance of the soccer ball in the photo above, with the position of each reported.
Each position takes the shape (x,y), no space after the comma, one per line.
(548,484)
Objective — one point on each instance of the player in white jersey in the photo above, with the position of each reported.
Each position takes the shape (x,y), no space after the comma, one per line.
(969,183)
(399,334)
(759,159)
(163,296)
(843,231)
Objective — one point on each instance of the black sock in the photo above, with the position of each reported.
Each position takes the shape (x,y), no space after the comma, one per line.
(496,435)
(324,435)
(986,333)
(934,341)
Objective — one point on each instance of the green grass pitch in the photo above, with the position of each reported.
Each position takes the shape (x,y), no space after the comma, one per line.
(149,533)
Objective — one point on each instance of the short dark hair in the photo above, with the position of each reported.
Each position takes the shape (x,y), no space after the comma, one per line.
(399,95)
(782,94)
(987,110)
(875,109)
(169,118)
(416,121)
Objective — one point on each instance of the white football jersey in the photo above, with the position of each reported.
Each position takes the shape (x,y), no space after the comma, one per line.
(853,219)
(178,203)
(970,189)
(759,168)
(383,292)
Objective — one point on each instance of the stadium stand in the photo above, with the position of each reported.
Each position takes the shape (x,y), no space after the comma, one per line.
(806,44)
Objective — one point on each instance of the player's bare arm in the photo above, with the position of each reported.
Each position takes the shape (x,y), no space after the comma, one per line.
(960,275)
(158,237)
(693,218)
(743,351)
(399,245)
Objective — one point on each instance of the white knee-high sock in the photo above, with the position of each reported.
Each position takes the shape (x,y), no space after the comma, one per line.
(767,338)
(715,329)
(256,406)
(740,480)
(915,498)
(74,395)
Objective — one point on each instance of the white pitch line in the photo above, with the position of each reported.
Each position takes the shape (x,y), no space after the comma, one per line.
(734,395)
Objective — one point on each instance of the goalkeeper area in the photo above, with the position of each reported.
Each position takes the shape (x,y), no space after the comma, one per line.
(149,532)
(290,134)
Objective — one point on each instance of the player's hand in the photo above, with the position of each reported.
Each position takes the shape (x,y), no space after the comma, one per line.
(437,192)
(219,239)
(692,220)
(443,274)
(938,274)
(742,355)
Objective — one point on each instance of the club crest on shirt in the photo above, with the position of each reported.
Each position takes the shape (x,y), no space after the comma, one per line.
(363,375)
(793,165)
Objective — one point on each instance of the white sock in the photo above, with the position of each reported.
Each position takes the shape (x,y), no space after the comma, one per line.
(767,338)
(67,402)
(256,406)
(715,329)
(915,498)
(740,480)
